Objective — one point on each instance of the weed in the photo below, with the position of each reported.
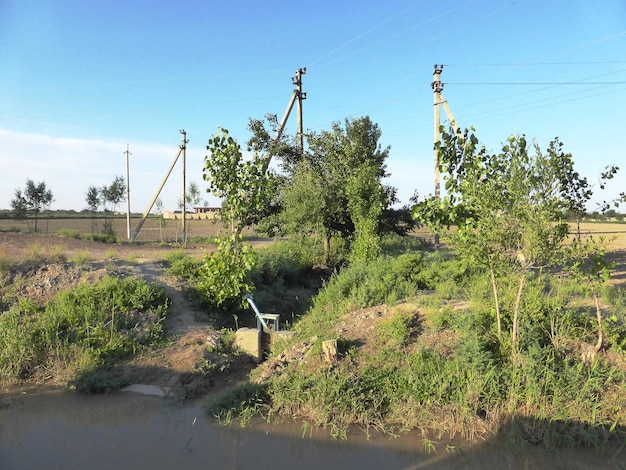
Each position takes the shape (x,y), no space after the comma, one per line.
(68,233)
(242,403)
(82,258)
(6,263)
(37,253)
(58,255)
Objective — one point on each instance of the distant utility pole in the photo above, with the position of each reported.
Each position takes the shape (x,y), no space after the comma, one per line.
(127,153)
(183,148)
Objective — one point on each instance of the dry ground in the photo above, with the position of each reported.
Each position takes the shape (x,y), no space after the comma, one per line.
(51,263)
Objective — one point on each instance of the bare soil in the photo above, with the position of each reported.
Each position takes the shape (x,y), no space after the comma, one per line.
(42,265)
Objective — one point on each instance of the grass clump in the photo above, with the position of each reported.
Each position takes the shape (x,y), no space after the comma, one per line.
(82,258)
(6,263)
(69,233)
(89,328)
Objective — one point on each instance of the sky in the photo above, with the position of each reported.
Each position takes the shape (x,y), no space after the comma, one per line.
(80,80)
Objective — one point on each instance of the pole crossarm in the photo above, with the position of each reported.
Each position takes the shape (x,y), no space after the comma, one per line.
(299,95)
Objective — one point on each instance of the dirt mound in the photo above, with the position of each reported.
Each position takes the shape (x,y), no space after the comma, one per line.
(190,364)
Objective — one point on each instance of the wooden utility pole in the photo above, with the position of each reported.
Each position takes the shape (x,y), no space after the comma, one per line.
(127,153)
(183,148)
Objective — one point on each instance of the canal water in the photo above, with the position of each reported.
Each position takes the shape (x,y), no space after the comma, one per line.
(49,429)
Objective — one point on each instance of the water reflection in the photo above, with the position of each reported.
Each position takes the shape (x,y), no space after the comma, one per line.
(50,429)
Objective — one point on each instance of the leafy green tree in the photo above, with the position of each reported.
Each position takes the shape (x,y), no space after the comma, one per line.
(35,198)
(192,198)
(506,208)
(192,195)
(107,197)
(366,200)
(245,186)
(327,189)
(111,196)
(589,265)
(225,274)
(92,198)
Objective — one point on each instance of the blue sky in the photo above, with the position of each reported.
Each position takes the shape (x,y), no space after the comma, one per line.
(79,80)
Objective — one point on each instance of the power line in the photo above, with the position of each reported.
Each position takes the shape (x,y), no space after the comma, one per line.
(524,64)
(535,83)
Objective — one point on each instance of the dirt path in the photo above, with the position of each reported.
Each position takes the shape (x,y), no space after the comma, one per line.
(189,365)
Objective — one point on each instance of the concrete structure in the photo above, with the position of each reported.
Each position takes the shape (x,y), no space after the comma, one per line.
(248,340)
(199,213)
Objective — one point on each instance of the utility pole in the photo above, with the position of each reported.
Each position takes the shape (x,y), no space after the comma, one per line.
(127,153)
(437,86)
(183,148)
(297,81)
(158,191)
(299,95)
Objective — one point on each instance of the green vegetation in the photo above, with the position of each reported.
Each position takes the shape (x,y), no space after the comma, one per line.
(106,197)
(494,336)
(85,329)
(34,199)
(439,369)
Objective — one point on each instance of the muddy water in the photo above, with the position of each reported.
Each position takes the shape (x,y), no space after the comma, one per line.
(53,430)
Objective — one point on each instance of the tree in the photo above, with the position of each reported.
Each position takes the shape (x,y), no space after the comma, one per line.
(192,198)
(506,208)
(35,198)
(108,197)
(335,189)
(245,186)
(93,203)
(111,196)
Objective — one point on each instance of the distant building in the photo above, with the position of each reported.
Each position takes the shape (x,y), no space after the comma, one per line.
(198,213)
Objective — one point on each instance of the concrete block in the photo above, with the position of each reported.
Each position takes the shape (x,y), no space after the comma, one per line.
(248,340)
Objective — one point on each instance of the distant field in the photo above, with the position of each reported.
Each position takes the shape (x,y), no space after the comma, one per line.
(151,232)
(614,232)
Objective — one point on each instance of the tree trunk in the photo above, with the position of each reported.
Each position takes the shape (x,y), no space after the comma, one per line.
(600,341)
(496,300)
(326,249)
(518,301)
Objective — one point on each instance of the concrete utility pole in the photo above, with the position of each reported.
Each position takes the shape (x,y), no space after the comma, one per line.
(299,95)
(437,86)
(297,81)
(158,191)
(127,153)
(183,148)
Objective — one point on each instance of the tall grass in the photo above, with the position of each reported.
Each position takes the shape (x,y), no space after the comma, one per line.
(468,387)
(89,326)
